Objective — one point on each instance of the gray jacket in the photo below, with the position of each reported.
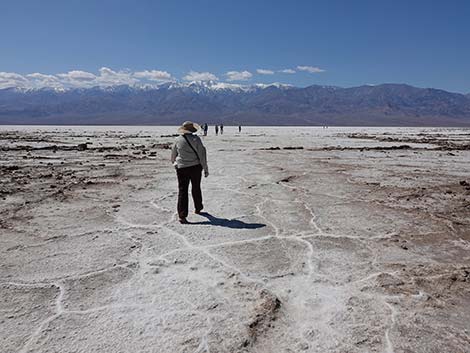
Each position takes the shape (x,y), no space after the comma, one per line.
(183,156)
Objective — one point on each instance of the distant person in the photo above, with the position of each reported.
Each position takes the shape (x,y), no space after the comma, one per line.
(205,128)
(239,128)
(216,130)
(188,156)
(221,129)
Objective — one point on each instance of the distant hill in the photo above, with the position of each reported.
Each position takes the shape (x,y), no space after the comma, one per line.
(212,102)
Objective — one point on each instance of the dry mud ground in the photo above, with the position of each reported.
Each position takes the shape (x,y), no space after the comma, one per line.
(356,241)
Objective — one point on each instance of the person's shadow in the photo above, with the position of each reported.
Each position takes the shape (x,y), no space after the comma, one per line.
(229,223)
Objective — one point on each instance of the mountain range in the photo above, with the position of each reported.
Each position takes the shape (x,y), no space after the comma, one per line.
(215,102)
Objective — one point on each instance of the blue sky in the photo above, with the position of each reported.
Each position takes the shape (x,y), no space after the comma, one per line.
(344,43)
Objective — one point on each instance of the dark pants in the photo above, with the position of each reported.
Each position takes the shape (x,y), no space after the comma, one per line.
(185,175)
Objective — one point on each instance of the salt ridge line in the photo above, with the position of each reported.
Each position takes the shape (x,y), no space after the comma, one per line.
(389,345)
(312,222)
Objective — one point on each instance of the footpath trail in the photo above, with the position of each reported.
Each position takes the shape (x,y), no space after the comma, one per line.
(299,250)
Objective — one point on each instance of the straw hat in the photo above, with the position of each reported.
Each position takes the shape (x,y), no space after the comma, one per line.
(188,127)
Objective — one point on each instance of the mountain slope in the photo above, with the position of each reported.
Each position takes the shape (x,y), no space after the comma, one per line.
(212,102)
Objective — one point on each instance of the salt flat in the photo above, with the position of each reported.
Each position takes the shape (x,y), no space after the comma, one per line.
(315,240)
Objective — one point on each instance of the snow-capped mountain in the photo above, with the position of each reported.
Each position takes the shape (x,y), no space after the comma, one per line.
(211,102)
(208,86)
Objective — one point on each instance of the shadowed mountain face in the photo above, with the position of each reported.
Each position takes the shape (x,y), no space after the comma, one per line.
(381,105)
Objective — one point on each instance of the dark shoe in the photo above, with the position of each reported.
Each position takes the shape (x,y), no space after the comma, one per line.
(198,211)
(183,221)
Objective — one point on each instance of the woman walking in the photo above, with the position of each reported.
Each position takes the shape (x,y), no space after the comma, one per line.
(188,155)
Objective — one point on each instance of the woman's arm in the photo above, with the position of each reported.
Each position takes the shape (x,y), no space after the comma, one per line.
(174,153)
(201,151)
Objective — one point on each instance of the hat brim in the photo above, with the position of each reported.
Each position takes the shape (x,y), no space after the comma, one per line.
(183,130)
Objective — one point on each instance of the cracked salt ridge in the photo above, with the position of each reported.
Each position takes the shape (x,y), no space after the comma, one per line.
(203,346)
(188,244)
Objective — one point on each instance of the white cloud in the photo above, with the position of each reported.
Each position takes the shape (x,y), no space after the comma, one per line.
(85,79)
(42,77)
(310,69)
(287,71)
(110,77)
(153,75)
(11,79)
(78,75)
(200,76)
(265,72)
(106,77)
(238,75)
(77,78)
(39,80)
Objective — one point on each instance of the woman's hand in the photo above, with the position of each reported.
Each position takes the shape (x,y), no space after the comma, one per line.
(206,173)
